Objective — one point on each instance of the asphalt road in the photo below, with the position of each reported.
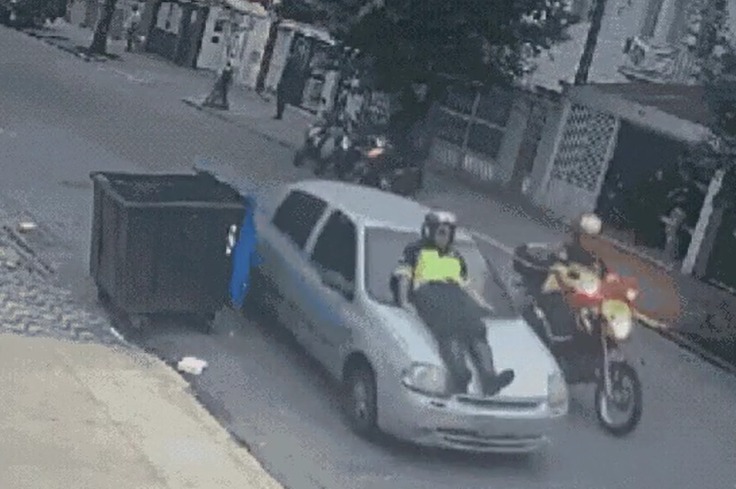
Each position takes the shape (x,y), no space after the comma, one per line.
(61,118)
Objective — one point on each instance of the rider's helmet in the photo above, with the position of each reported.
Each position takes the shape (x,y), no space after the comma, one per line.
(588,224)
(434,219)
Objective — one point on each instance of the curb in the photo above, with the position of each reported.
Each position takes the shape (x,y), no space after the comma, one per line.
(67,49)
(223,117)
(687,344)
(692,347)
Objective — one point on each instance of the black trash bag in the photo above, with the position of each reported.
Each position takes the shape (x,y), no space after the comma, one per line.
(448,310)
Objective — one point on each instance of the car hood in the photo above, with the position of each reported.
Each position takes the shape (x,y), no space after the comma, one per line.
(410,333)
(516,346)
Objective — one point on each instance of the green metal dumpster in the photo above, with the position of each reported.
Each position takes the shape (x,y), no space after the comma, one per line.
(159,243)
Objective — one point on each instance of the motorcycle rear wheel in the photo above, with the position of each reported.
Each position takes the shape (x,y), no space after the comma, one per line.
(619,371)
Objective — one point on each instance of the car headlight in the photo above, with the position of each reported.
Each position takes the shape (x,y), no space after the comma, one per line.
(621,327)
(557,396)
(426,379)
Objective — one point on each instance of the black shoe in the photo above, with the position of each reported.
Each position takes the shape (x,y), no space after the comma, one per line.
(278,117)
(495,384)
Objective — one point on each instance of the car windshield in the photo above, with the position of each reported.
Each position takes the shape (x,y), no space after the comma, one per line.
(384,247)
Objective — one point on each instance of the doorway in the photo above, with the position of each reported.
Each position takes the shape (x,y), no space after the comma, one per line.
(644,183)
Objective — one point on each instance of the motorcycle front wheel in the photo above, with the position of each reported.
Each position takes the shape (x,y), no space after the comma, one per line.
(626,396)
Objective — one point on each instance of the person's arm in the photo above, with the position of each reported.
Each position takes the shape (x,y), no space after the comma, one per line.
(404,273)
(467,285)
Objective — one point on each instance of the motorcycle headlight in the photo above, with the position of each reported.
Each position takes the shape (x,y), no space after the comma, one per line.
(590,286)
(426,379)
(345,143)
(621,327)
(632,294)
(557,395)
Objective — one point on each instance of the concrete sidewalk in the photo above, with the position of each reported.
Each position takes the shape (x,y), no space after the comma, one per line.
(88,416)
(96,412)
(255,114)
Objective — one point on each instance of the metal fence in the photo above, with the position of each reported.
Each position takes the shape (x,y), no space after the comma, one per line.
(472,121)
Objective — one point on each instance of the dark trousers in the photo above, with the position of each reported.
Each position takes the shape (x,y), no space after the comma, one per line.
(453,351)
(457,322)
(561,319)
(218,97)
(280,103)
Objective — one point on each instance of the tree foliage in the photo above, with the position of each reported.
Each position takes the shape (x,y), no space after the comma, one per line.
(42,10)
(718,74)
(489,41)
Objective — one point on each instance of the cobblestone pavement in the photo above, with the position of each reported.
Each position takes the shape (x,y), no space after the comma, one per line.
(32,305)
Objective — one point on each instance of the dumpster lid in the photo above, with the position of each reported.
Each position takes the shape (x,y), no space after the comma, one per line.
(169,188)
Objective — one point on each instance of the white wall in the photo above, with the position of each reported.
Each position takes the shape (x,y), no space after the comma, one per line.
(250,63)
(278,58)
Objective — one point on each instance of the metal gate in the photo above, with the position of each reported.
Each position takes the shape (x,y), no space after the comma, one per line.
(581,161)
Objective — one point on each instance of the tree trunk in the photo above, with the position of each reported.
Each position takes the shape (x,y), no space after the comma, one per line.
(99,41)
(581,77)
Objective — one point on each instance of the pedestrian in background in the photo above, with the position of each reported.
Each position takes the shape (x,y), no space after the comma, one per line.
(131,26)
(217,99)
(285,89)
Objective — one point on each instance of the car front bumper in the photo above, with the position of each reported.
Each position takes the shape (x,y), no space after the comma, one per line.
(463,423)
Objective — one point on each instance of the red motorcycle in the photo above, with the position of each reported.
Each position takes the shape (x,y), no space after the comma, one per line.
(604,313)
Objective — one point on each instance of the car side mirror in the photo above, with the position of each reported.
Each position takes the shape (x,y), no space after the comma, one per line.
(337,282)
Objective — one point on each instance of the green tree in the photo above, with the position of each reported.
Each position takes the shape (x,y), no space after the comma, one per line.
(718,75)
(40,11)
(489,41)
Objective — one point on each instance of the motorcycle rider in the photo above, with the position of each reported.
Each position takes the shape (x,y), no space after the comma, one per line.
(432,282)
(562,320)
(574,251)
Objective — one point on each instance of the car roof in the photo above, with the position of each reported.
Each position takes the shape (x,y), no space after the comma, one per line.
(370,207)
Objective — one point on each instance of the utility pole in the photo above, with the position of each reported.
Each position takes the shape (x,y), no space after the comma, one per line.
(596,21)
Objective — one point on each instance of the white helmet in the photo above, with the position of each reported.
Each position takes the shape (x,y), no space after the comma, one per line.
(590,224)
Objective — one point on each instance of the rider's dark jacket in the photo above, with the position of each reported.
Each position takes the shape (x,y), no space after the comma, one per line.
(574,252)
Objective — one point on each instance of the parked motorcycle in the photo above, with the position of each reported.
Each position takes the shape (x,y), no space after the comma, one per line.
(374,161)
(321,142)
(605,313)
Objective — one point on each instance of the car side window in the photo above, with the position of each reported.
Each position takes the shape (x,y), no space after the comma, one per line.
(297,215)
(336,249)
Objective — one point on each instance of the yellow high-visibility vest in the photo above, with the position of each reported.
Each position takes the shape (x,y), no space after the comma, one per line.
(433,267)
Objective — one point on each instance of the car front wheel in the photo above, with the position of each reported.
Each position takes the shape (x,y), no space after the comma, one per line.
(361,400)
